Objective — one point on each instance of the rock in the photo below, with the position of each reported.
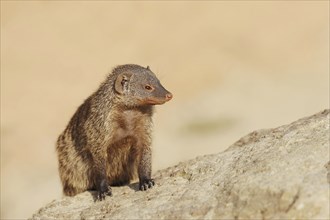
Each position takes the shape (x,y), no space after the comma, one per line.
(280,173)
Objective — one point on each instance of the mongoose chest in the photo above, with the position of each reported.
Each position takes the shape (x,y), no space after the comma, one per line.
(132,124)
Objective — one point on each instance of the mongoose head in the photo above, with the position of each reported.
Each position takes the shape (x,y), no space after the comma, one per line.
(135,86)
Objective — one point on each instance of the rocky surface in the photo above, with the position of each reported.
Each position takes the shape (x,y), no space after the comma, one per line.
(280,173)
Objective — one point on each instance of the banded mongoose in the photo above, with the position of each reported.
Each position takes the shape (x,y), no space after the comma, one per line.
(108,139)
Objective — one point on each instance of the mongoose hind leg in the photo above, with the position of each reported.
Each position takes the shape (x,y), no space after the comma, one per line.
(73,183)
(75,173)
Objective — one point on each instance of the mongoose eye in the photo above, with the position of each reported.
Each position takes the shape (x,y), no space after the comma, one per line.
(147,87)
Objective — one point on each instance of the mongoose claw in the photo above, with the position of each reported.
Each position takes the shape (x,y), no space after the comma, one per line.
(101,195)
(146,184)
(105,190)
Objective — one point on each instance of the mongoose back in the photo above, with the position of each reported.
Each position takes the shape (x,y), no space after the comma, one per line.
(108,140)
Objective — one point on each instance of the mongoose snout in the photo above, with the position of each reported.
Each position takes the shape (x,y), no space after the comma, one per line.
(108,140)
(169,96)
(158,97)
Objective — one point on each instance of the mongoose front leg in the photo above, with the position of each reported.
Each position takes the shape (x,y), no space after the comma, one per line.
(144,170)
(100,179)
(103,189)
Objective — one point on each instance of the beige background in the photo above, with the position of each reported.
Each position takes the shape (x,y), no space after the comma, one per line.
(233,67)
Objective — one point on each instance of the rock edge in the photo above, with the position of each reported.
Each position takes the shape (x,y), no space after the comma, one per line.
(281,173)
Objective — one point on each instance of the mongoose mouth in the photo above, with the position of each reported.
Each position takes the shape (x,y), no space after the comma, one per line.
(155,101)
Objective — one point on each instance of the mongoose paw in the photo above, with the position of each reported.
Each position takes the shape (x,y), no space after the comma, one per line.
(101,195)
(146,184)
(104,190)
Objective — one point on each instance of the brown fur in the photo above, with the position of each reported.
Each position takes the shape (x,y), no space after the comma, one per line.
(108,140)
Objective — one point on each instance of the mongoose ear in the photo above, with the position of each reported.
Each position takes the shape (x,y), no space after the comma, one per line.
(148,68)
(122,81)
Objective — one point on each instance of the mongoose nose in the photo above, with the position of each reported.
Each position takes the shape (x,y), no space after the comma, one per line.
(169,96)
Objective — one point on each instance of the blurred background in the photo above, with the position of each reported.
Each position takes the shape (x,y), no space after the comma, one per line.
(233,67)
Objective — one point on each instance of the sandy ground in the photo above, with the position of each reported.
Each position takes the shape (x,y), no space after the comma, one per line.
(233,67)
